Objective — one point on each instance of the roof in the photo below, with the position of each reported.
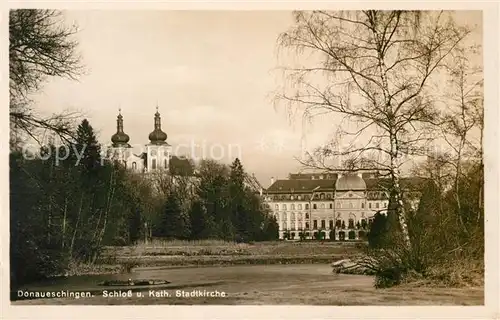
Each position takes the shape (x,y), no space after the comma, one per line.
(181,166)
(307,185)
(384,183)
(313,176)
(297,185)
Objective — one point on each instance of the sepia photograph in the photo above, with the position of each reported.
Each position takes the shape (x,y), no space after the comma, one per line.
(241,157)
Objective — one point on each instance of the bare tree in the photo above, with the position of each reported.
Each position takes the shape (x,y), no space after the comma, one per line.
(462,128)
(376,69)
(41,45)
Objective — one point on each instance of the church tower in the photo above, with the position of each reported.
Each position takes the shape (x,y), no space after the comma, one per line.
(158,150)
(120,149)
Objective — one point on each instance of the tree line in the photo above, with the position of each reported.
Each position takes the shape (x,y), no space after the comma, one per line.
(65,212)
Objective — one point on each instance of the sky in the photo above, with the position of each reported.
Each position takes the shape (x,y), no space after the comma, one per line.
(211,74)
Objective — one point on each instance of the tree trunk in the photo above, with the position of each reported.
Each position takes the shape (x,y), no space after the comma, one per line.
(64,222)
(108,208)
(395,177)
(76,227)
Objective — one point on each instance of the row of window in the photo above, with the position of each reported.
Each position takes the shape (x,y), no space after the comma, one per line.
(300,197)
(339,224)
(127,154)
(292,216)
(165,153)
(371,195)
(377,205)
(153,164)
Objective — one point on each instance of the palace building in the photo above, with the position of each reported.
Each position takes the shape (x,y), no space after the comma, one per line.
(336,206)
(156,155)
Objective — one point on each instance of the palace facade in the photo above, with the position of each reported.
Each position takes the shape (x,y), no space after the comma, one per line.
(336,206)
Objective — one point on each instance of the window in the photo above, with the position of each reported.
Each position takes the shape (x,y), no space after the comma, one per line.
(283,207)
(307,206)
(363,223)
(307,215)
(352,235)
(328,196)
(323,224)
(385,204)
(299,206)
(362,205)
(292,207)
(291,197)
(322,206)
(322,196)
(307,225)
(331,205)
(330,224)
(370,205)
(299,198)
(134,165)
(376,205)
(153,163)
(351,223)
(315,224)
(153,152)
(314,206)
(292,216)
(350,205)
(165,163)
(276,206)
(338,223)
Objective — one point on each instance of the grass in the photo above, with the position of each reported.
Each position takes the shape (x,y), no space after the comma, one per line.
(216,252)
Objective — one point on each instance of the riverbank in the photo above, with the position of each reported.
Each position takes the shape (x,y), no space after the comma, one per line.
(218,253)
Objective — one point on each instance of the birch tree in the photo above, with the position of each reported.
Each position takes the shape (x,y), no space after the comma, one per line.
(377,72)
(463,124)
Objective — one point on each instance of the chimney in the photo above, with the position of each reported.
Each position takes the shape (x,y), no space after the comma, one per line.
(272,180)
(260,192)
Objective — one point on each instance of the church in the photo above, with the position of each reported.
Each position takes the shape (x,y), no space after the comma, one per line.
(154,156)
(337,206)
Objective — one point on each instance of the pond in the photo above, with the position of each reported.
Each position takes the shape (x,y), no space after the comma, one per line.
(198,285)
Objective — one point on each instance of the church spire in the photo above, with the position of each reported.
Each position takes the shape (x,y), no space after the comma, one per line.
(119,121)
(157,119)
(120,138)
(157,136)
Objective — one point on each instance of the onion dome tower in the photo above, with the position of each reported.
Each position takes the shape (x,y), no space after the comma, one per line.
(120,139)
(158,150)
(157,137)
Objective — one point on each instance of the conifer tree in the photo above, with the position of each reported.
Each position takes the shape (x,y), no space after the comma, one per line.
(86,147)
